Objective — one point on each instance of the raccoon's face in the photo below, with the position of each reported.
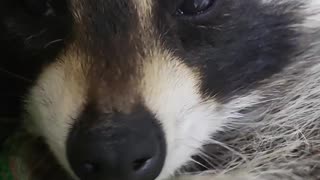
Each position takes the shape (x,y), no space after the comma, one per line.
(139,86)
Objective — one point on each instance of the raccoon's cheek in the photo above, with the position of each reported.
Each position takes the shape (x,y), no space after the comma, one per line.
(54,102)
(171,90)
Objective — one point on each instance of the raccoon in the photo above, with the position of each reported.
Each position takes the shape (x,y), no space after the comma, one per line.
(164,89)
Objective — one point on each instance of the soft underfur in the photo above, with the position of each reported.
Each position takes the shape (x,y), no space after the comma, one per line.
(237,93)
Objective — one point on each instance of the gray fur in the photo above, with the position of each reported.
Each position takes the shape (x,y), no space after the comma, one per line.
(279,138)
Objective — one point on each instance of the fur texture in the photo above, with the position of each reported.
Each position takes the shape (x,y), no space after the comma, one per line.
(236,89)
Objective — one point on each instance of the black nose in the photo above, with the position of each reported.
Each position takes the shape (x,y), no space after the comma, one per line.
(117,147)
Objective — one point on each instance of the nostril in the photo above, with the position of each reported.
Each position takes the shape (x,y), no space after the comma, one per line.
(126,146)
(140,163)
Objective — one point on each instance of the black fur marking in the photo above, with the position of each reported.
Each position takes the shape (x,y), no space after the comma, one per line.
(237,44)
(27,42)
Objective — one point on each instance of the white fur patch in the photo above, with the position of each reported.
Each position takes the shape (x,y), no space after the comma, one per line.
(144,7)
(312,12)
(54,103)
(144,10)
(171,90)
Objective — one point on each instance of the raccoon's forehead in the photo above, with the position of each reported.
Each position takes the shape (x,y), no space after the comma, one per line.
(107,21)
(107,28)
(233,48)
(115,35)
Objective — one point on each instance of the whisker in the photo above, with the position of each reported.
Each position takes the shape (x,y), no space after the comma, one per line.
(17,76)
(199,163)
(52,42)
(35,35)
(208,159)
(242,156)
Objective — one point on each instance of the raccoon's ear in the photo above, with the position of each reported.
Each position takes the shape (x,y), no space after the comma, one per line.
(7,128)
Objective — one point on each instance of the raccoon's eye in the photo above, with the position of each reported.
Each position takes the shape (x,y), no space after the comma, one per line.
(36,7)
(194,7)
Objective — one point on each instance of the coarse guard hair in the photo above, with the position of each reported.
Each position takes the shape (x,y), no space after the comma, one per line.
(161,89)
